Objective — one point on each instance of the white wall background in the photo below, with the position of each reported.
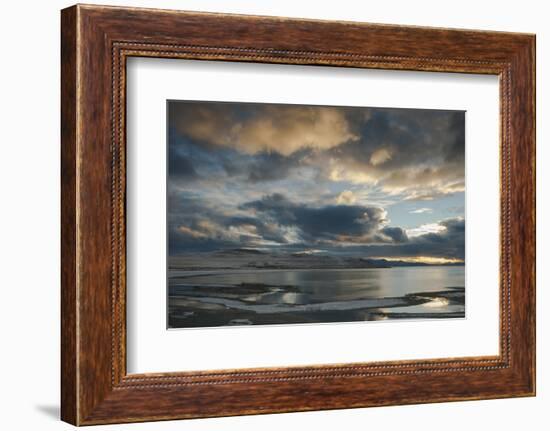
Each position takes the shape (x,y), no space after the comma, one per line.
(29,215)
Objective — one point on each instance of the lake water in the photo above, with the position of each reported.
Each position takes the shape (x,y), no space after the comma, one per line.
(261,297)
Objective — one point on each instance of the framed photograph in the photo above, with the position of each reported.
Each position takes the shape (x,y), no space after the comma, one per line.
(267,215)
(278,214)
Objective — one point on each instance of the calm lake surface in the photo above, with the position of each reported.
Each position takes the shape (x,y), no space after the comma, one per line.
(286,296)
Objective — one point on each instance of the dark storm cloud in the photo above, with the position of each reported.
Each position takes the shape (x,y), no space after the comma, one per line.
(180,166)
(396,234)
(327,222)
(350,229)
(271,166)
(457,129)
(447,244)
(194,225)
(411,136)
(190,160)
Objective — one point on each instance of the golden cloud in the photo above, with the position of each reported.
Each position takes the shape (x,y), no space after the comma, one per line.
(346,198)
(380,156)
(276,128)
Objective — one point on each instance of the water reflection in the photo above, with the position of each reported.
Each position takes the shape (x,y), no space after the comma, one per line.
(244,297)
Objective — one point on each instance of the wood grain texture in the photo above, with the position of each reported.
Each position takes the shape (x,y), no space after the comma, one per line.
(96,41)
(69,397)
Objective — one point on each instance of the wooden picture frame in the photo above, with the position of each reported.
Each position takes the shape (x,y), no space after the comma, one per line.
(95,43)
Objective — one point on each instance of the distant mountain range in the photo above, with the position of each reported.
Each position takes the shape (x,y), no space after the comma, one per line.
(241,258)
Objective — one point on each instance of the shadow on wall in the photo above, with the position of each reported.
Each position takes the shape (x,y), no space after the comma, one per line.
(52,411)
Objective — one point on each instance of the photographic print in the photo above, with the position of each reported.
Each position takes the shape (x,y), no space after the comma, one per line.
(293,214)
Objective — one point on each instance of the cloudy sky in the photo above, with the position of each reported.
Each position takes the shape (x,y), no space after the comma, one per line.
(372,182)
